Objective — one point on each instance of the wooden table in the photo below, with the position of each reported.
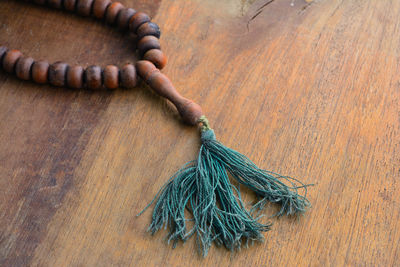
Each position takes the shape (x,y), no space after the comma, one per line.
(307,89)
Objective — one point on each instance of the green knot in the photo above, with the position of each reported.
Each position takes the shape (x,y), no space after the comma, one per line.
(208,135)
(204,124)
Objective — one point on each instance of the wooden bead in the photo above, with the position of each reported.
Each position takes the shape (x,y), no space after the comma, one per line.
(138,19)
(93,77)
(69,5)
(23,68)
(110,75)
(39,2)
(40,70)
(157,57)
(84,7)
(58,73)
(148,28)
(146,43)
(100,8)
(10,59)
(129,77)
(55,3)
(112,12)
(3,51)
(189,111)
(75,77)
(124,16)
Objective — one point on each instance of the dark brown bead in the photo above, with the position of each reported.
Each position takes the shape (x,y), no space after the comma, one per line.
(111,74)
(55,3)
(93,77)
(3,51)
(23,68)
(69,4)
(112,12)
(148,28)
(157,57)
(40,70)
(124,16)
(129,77)
(39,2)
(58,73)
(84,7)
(75,77)
(100,7)
(148,42)
(138,19)
(10,59)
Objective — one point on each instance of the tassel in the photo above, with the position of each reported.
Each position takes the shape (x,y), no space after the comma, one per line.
(218,214)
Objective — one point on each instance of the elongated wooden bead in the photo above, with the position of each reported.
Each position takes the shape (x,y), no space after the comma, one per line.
(129,77)
(138,19)
(100,8)
(58,73)
(84,7)
(112,12)
(93,77)
(147,43)
(110,75)
(23,68)
(189,110)
(10,59)
(3,51)
(69,5)
(148,28)
(157,57)
(40,70)
(124,16)
(75,77)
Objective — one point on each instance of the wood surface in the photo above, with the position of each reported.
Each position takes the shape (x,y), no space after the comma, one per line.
(307,89)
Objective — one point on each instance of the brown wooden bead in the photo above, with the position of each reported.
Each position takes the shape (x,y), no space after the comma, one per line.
(39,2)
(100,8)
(10,59)
(23,68)
(189,111)
(148,28)
(93,77)
(146,43)
(110,75)
(129,77)
(112,12)
(138,19)
(69,5)
(40,70)
(75,77)
(124,16)
(157,57)
(84,7)
(3,51)
(58,73)
(55,3)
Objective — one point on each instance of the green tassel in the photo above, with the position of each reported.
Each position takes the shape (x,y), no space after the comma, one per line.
(218,213)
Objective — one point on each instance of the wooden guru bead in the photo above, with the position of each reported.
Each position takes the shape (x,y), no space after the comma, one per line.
(189,110)
(93,77)
(110,75)
(128,75)
(23,68)
(112,12)
(138,19)
(124,16)
(75,77)
(147,43)
(148,28)
(100,8)
(40,70)
(57,73)
(10,59)
(157,57)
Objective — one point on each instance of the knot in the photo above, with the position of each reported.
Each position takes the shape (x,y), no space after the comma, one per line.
(207,135)
(205,125)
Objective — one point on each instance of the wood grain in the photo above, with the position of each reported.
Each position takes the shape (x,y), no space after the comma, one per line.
(307,89)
